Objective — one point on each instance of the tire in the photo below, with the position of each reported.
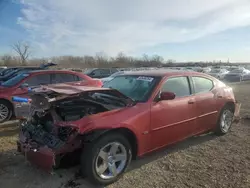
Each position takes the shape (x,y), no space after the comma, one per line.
(6,111)
(225,121)
(91,159)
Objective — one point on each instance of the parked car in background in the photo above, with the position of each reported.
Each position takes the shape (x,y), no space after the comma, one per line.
(197,69)
(236,75)
(107,79)
(105,128)
(100,72)
(2,68)
(19,85)
(206,69)
(13,71)
(233,68)
(218,73)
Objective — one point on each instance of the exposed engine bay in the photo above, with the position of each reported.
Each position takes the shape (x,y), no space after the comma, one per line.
(47,109)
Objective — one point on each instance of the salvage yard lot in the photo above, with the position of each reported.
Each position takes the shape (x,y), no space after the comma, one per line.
(203,161)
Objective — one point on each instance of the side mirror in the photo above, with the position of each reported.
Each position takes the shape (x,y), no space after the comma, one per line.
(166,96)
(24,85)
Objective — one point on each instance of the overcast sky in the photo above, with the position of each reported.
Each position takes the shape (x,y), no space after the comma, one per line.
(175,29)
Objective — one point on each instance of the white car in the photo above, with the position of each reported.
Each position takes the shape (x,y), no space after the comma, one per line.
(240,74)
(218,73)
(111,77)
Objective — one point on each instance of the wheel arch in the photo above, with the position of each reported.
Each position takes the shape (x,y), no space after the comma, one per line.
(231,105)
(8,102)
(127,133)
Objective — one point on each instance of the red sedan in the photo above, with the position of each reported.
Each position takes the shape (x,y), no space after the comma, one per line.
(134,114)
(18,86)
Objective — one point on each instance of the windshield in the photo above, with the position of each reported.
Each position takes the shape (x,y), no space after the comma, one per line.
(88,71)
(15,80)
(215,70)
(5,71)
(117,73)
(136,87)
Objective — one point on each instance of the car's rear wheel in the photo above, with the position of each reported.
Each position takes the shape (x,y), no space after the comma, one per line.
(225,121)
(5,111)
(104,161)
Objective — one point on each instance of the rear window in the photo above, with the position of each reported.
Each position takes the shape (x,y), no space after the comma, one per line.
(202,84)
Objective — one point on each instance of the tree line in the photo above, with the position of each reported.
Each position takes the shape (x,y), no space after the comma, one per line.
(100,60)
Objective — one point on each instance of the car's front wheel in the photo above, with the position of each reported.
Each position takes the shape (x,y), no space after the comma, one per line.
(104,161)
(5,111)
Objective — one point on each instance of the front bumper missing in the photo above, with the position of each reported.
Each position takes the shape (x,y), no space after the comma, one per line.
(42,157)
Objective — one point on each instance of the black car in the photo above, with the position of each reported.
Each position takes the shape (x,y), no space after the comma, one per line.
(100,72)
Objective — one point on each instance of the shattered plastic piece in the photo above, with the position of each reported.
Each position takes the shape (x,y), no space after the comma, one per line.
(20,99)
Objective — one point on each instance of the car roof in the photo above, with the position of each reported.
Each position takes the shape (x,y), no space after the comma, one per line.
(101,68)
(51,71)
(23,67)
(162,73)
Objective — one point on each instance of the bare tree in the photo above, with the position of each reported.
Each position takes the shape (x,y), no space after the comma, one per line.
(23,51)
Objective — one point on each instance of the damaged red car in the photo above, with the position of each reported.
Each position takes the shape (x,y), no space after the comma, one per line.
(132,115)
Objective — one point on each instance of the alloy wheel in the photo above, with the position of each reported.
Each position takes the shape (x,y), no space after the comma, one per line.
(111,160)
(4,112)
(226,120)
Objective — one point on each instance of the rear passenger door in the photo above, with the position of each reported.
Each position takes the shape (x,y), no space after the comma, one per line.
(205,102)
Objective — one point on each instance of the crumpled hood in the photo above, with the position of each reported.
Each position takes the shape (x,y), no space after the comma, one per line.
(42,96)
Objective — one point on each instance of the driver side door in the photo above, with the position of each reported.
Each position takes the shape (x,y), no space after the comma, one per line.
(173,120)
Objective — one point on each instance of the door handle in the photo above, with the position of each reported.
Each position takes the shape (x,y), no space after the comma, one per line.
(191,102)
(219,96)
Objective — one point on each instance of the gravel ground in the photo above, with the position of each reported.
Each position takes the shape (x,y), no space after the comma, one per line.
(203,161)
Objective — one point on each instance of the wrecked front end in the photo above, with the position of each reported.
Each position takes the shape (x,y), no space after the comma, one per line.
(51,132)
(46,144)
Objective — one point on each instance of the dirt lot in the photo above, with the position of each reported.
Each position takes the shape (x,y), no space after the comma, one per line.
(204,161)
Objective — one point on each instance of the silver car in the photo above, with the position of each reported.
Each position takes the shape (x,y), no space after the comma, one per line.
(218,73)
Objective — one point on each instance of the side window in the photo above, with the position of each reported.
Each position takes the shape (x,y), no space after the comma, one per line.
(62,78)
(178,85)
(77,78)
(97,72)
(42,79)
(105,71)
(202,84)
(113,71)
